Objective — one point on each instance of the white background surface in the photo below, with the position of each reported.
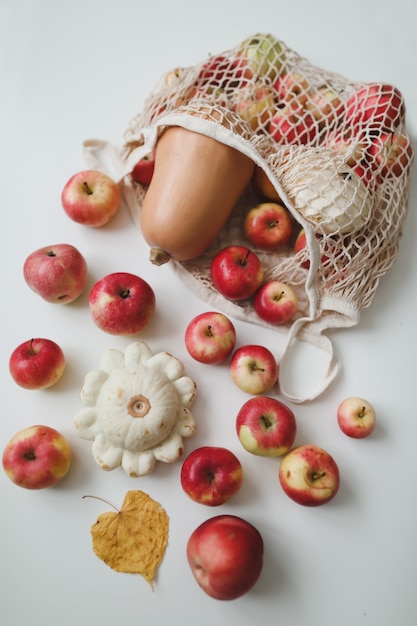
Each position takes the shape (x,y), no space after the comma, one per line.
(80,69)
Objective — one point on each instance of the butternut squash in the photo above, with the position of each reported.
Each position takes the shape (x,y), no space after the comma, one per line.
(195,186)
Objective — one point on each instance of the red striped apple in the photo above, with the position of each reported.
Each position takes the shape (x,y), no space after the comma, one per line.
(37,457)
(292,85)
(299,245)
(254,105)
(91,198)
(266,426)
(390,154)
(254,369)
(326,106)
(376,105)
(293,125)
(211,475)
(122,303)
(276,302)
(356,417)
(143,171)
(352,146)
(37,363)
(236,272)
(215,71)
(309,475)
(57,273)
(330,251)
(225,554)
(268,225)
(210,337)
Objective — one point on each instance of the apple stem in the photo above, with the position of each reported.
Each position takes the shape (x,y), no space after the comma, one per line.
(125,293)
(266,421)
(31,348)
(209,331)
(245,258)
(102,500)
(87,188)
(317,475)
(255,368)
(279,296)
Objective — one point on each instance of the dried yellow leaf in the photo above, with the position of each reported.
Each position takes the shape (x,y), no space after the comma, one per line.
(134,539)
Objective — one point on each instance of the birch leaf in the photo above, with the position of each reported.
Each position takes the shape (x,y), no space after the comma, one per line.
(133,539)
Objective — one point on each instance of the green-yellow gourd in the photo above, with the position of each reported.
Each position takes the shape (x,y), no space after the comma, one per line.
(196,183)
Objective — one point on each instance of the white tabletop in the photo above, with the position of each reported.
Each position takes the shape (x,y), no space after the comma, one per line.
(81,69)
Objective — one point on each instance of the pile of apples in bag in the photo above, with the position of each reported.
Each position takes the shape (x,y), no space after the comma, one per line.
(282,96)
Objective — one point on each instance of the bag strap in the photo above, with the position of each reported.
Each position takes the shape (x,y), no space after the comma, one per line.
(304,359)
(309,353)
(101,155)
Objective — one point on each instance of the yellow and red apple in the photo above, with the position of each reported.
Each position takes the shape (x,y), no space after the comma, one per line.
(37,457)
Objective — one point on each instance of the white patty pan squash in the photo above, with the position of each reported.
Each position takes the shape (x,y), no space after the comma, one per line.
(136,409)
(327,192)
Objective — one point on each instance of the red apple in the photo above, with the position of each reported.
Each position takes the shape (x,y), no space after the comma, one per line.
(242,73)
(254,105)
(211,475)
(292,125)
(91,198)
(210,337)
(215,71)
(265,426)
(225,554)
(58,273)
(236,272)
(254,369)
(292,85)
(309,475)
(390,154)
(356,417)
(37,457)
(328,250)
(37,363)
(326,106)
(263,186)
(366,173)
(300,244)
(352,146)
(143,171)
(377,105)
(122,303)
(275,302)
(268,225)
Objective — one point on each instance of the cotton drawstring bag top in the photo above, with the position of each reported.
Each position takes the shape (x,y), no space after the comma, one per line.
(337,155)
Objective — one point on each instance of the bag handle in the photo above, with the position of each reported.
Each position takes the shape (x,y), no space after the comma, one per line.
(304,359)
(318,356)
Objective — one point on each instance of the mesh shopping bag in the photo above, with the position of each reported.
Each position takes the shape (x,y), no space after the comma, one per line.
(335,153)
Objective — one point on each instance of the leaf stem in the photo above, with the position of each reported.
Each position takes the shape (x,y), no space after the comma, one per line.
(102,500)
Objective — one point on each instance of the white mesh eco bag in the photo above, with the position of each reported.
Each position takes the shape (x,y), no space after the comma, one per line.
(337,154)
